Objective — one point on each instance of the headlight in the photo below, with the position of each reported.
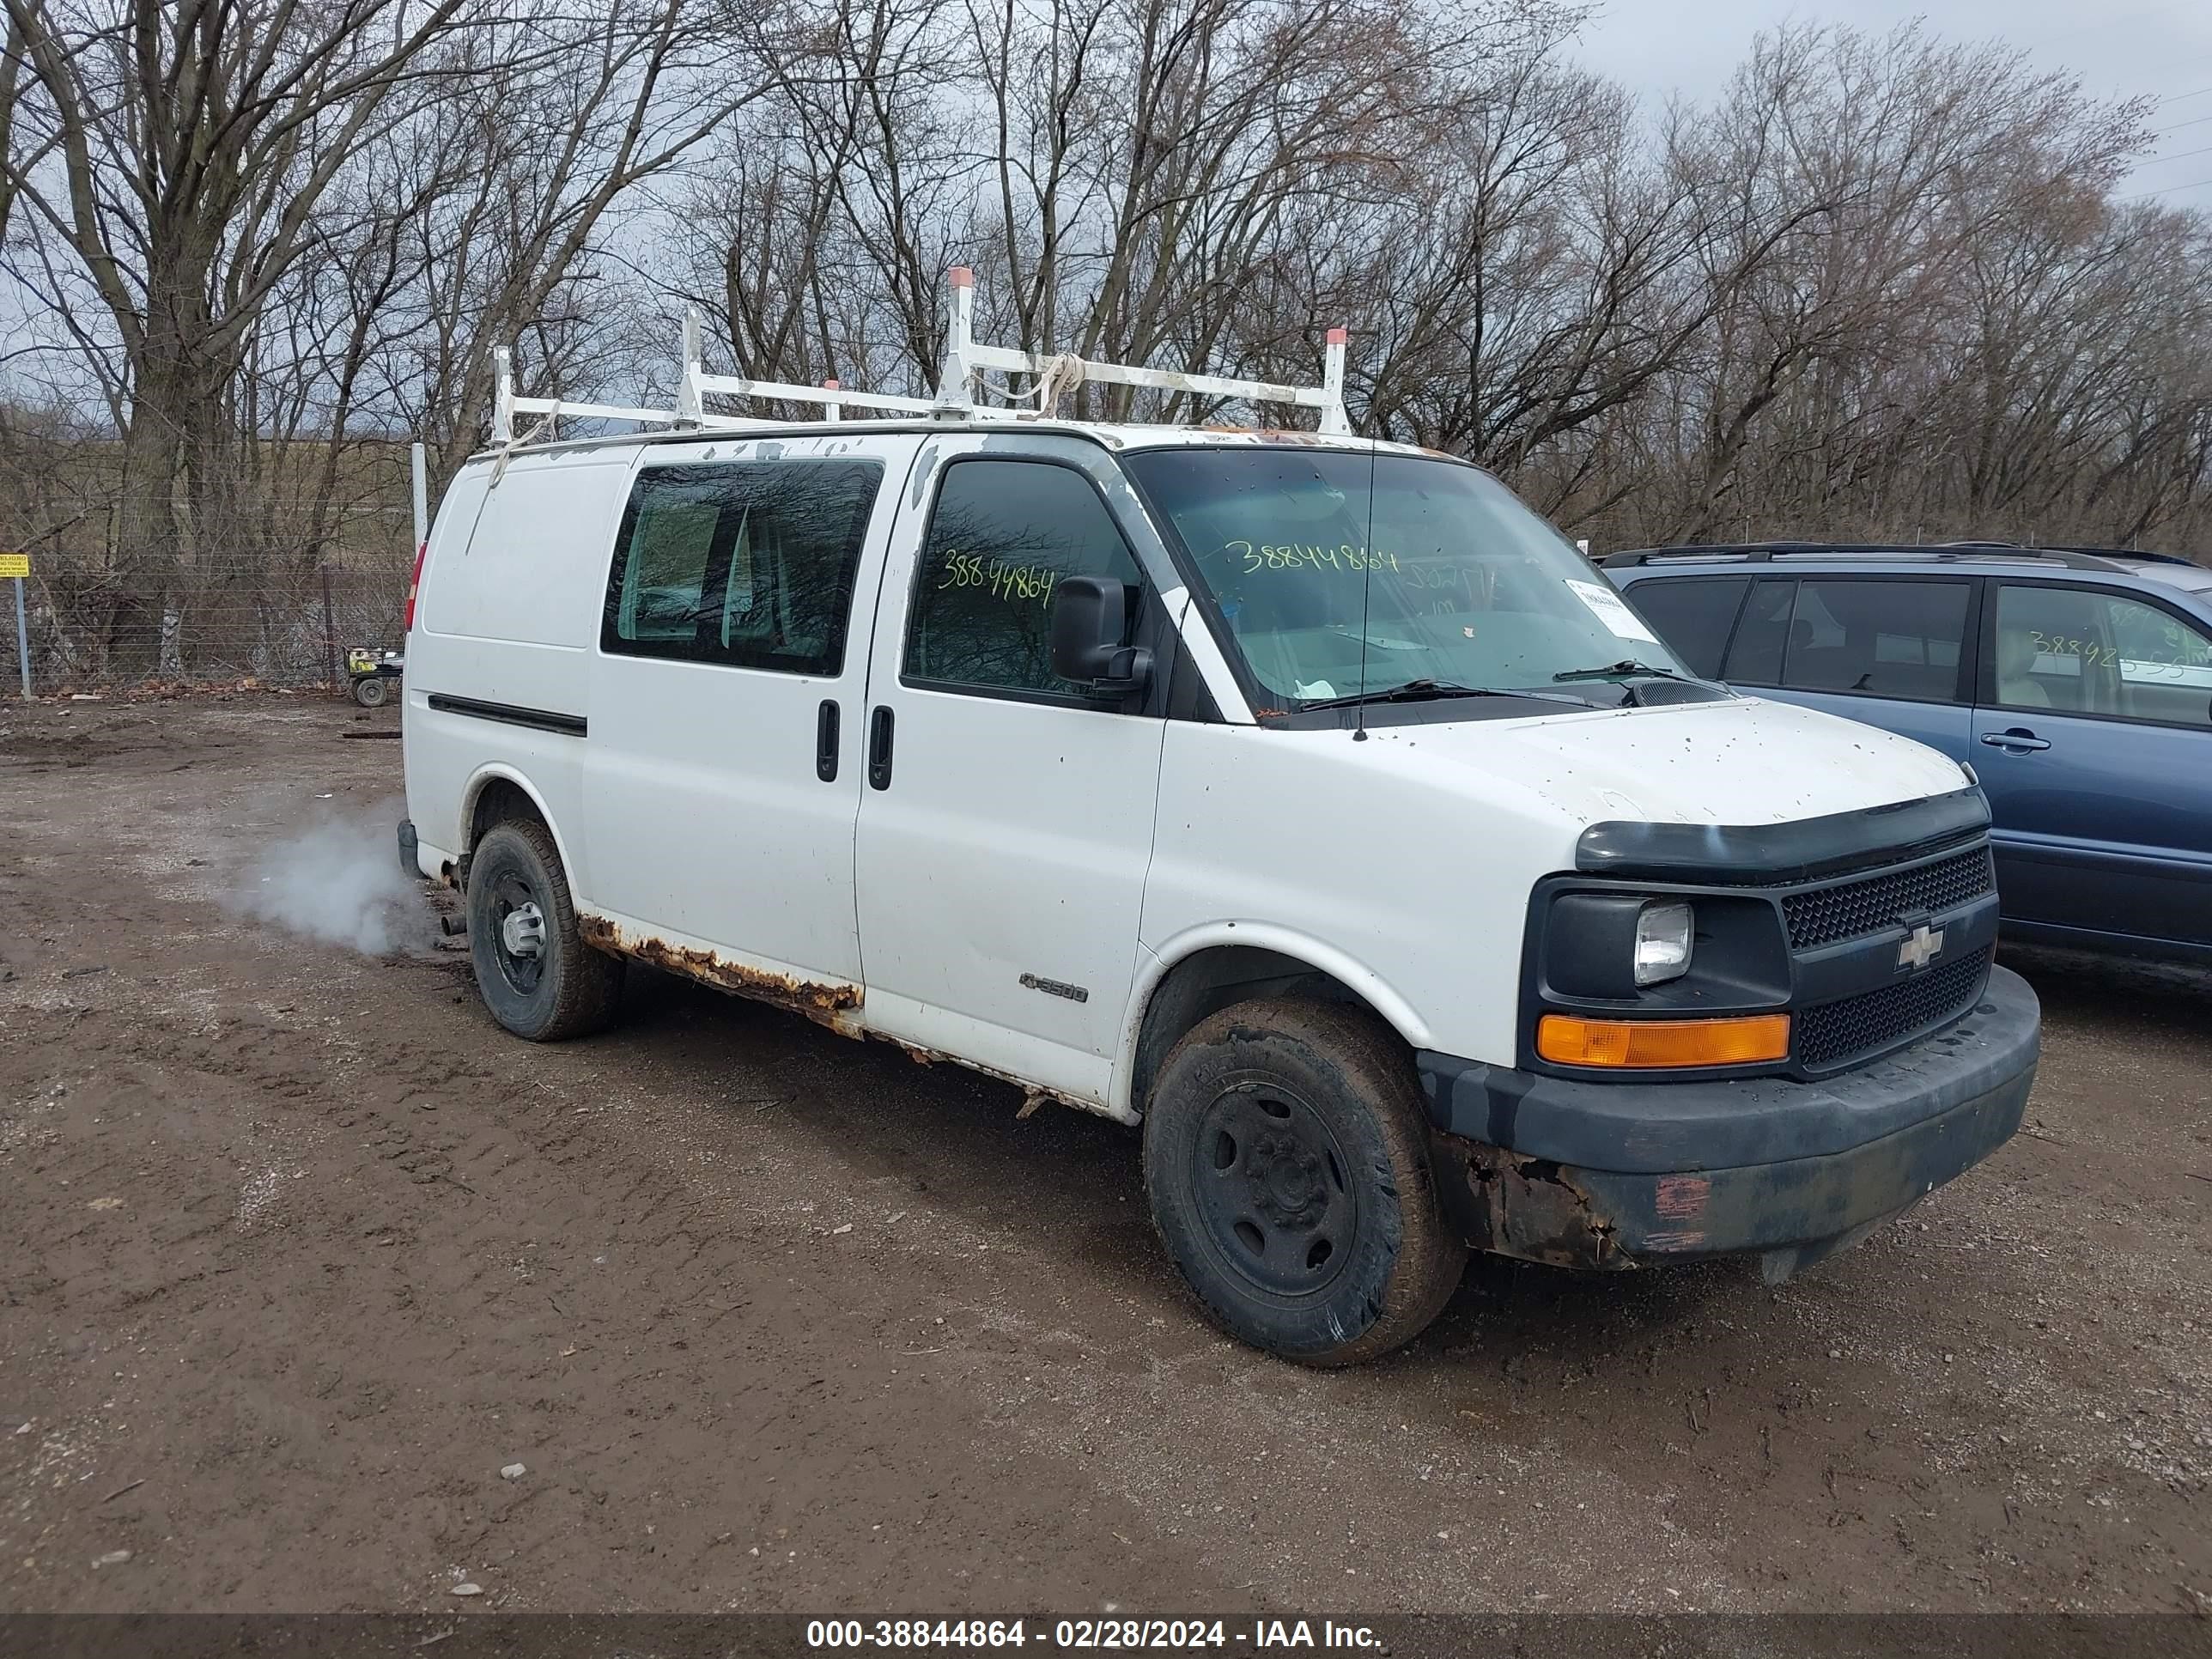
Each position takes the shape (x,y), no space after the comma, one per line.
(1663,943)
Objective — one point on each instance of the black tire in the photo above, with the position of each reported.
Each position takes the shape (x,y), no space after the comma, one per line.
(566,989)
(1288,1169)
(371,690)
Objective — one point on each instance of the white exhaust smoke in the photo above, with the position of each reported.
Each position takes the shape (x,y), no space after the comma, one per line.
(340,882)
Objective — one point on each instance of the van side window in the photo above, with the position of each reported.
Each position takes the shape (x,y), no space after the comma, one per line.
(1001,537)
(747,564)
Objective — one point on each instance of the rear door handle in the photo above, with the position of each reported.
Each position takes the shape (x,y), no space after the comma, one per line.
(2020,740)
(879,748)
(825,741)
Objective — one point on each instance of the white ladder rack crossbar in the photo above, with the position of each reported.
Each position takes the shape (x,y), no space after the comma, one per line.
(1008,360)
(965,359)
(964,356)
(831,396)
(506,404)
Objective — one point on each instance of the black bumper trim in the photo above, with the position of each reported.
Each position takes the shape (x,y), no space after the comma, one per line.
(408,843)
(1807,1205)
(1620,1175)
(1657,1127)
(1790,1213)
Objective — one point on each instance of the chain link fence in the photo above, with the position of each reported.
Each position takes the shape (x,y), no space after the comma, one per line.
(269,575)
(295,635)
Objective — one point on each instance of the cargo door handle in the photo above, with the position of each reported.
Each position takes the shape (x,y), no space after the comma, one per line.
(879,748)
(825,741)
(2020,740)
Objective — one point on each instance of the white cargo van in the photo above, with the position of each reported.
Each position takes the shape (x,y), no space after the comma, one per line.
(1309,801)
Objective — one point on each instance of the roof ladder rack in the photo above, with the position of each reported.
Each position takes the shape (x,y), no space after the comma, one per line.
(505,405)
(965,360)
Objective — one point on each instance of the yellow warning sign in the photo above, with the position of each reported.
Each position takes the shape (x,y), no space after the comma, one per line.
(14,564)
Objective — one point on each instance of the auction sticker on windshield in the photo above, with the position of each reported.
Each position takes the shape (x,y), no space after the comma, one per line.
(1608,608)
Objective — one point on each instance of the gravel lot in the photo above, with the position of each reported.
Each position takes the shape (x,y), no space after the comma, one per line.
(300,1256)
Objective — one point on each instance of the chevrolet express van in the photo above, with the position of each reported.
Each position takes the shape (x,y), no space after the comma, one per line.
(1307,801)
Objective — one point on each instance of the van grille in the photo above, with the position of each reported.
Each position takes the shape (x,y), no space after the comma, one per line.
(1852,909)
(1836,1033)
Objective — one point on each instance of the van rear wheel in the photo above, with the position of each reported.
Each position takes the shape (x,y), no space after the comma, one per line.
(533,971)
(1287,1165)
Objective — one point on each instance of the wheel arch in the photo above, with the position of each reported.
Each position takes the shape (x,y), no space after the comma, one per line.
(1206,970)
(494,793)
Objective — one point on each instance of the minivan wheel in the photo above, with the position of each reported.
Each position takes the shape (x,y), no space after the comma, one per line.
(1288,1166)
(536,974)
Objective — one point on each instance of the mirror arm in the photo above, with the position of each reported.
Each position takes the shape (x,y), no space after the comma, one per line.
(1127,670)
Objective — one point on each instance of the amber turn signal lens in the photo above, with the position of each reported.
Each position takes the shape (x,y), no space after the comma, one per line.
(1565,1040)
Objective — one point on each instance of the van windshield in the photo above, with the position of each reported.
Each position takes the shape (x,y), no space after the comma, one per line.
(1444,582)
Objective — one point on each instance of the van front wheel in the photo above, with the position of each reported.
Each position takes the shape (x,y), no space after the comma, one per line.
(1288,1171)
(536,974)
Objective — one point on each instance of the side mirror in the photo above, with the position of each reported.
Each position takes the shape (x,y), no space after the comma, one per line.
(1090,615)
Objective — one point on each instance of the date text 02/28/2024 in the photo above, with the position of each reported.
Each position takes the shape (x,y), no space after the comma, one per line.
(1105,1634)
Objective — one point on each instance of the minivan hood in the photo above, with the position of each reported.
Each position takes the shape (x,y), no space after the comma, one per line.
(1742,761)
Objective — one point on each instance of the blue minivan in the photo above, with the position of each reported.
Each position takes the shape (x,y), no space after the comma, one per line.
(2077,685)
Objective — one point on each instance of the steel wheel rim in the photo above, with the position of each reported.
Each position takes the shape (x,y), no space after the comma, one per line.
(1274,1189)
(513,902)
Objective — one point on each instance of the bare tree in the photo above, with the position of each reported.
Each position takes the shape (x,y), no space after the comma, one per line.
(179,153)
(1883,285)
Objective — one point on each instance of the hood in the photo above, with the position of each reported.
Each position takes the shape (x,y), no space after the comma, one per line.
(1742,761)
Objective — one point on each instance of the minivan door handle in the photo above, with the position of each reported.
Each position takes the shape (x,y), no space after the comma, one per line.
(879,748)
(2018,738)
(825,741)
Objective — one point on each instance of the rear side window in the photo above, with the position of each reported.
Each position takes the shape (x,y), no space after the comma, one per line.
(748,564)
(1693,615)
(2083,651)
(1877,638)
(1002,536)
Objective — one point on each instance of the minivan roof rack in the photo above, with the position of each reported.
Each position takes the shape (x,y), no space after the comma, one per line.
(959,379)
(2124,553)
(1940,553)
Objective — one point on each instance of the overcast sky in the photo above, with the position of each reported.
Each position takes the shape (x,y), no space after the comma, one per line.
(2161,49)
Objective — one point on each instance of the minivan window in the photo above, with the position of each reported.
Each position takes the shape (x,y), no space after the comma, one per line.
(748,564)
(1878,638)
(1338,572)
(1755,658)
(1001,537)
(1693,615)
(2083,651)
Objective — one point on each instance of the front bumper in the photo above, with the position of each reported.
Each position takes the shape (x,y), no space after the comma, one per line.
(1620,1175)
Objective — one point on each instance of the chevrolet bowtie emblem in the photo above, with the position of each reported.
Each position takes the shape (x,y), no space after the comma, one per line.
(1920,947)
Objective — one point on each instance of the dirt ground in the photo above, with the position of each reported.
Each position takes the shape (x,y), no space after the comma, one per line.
(298,1252)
